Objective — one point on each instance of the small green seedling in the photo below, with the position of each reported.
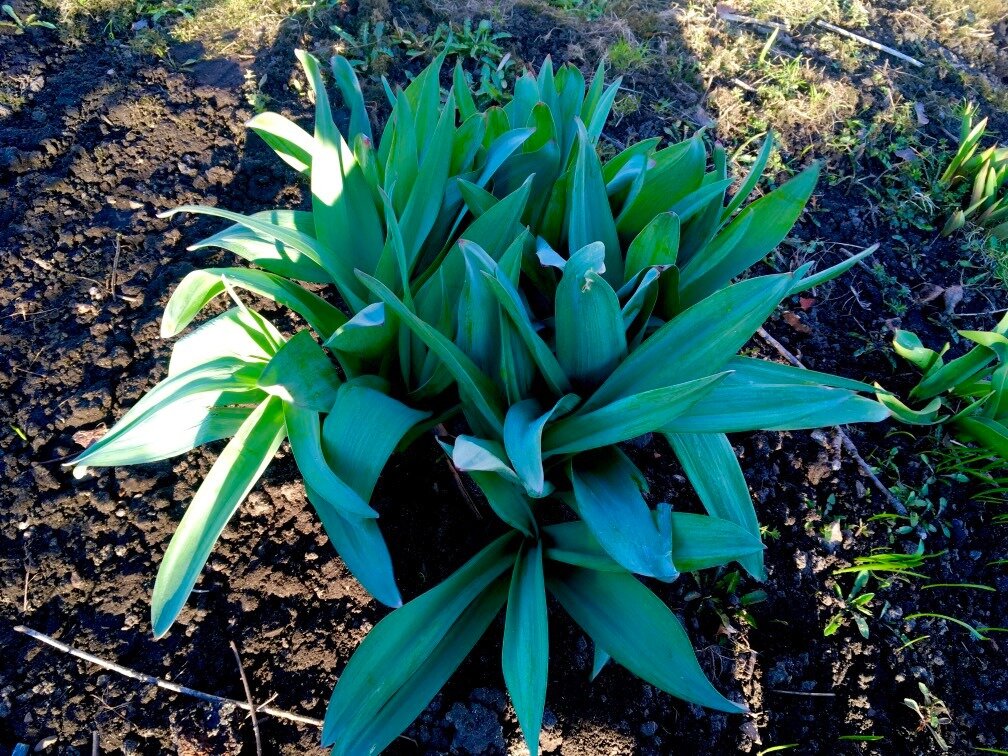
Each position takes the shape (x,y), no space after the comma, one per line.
(933,714)
(20,25)
(854,607)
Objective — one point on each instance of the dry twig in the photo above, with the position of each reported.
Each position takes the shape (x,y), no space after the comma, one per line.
(895,503)
(870,43)
(248,696)
(160,683)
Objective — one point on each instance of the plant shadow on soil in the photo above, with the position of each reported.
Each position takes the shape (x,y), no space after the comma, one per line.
(111,128)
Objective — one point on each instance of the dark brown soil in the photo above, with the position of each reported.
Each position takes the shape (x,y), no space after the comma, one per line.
(107,139)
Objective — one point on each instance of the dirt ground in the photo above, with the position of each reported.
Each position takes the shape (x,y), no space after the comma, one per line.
(100,129)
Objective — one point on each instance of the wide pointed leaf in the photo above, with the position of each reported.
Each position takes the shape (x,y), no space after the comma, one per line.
(590,218)
(412,652)
(289,141)
(267,252)
(657,244)
(475,386)
(713,469)
(304,428)
(202,386)
(349,86)
(360,545)
(627,418)
(199,287)
(229,481)
(636,629)
(525,654)
(238,333)
(590,338)
(523,431)
(696,342)
(611,504)
(300,373)
(363,428)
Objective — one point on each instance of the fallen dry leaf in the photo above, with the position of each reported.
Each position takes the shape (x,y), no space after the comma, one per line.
(795,322)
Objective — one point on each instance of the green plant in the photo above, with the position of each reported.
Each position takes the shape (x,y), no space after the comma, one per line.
(987,172)
(368,51)
(500,278)
(21,24)
(969,393)
(854,607)
(932,713)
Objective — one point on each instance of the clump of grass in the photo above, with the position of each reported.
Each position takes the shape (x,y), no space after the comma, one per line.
(626,54)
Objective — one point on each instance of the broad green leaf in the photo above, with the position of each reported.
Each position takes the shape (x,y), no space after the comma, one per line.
(744,403)
(636,629)
(698,542)
(927,415)
(590,218)
(361,431)
(367,335)
(183,428)
(987,432)
(199,287)
(526,643)
(411,650)
(346,80)
(305,433)
(478,311)
(238,333)
(229,481)
(346,220)
(697,341)
(657,244)
(590,339)
(523,431)
(610,503)
(430,677)
(267,252)
(510,300)
(203,385)
(676,175)
(289,141)
(909,347)
(767,220)
(300,373)
(751,179)
(471,455)
(473,384)
(362,548)
(291,238)
(713,469)
(625,419)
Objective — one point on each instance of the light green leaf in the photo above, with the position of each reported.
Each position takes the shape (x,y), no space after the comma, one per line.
(289,141)
(523,430)
(590,218)
(301,373)
(590,339)
(305,433)
(229,481)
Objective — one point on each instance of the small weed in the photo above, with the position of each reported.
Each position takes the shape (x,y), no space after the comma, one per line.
(20,25)
(854,607)
(933,714)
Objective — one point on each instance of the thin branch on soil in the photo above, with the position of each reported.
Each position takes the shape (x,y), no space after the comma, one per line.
(158,682)
(248,695)
(726,14)
(94,743)
(895,503)
(803,693)
(24,603)
(869,43)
